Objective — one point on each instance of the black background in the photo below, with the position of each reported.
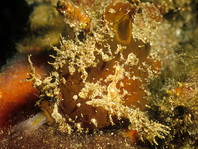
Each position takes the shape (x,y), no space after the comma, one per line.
(13,23)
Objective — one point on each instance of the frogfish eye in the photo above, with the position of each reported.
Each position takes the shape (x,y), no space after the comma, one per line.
(123,30)
(120,18)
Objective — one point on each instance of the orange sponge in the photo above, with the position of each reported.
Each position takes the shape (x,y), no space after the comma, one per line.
(14,90)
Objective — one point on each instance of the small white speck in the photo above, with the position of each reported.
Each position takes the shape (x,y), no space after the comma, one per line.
(111,10)
(75,97)
(78,104)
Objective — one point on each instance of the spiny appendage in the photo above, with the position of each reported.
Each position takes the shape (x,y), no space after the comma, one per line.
(48,87)
(63,126)
(78,55)
(146,129)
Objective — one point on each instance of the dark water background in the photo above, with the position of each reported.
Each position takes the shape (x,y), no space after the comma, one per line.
(13,23)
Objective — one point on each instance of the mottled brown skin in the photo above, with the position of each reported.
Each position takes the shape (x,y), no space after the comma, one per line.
(83,114)
(71,88)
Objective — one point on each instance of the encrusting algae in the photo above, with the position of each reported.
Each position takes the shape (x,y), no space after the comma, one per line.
(100,75)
